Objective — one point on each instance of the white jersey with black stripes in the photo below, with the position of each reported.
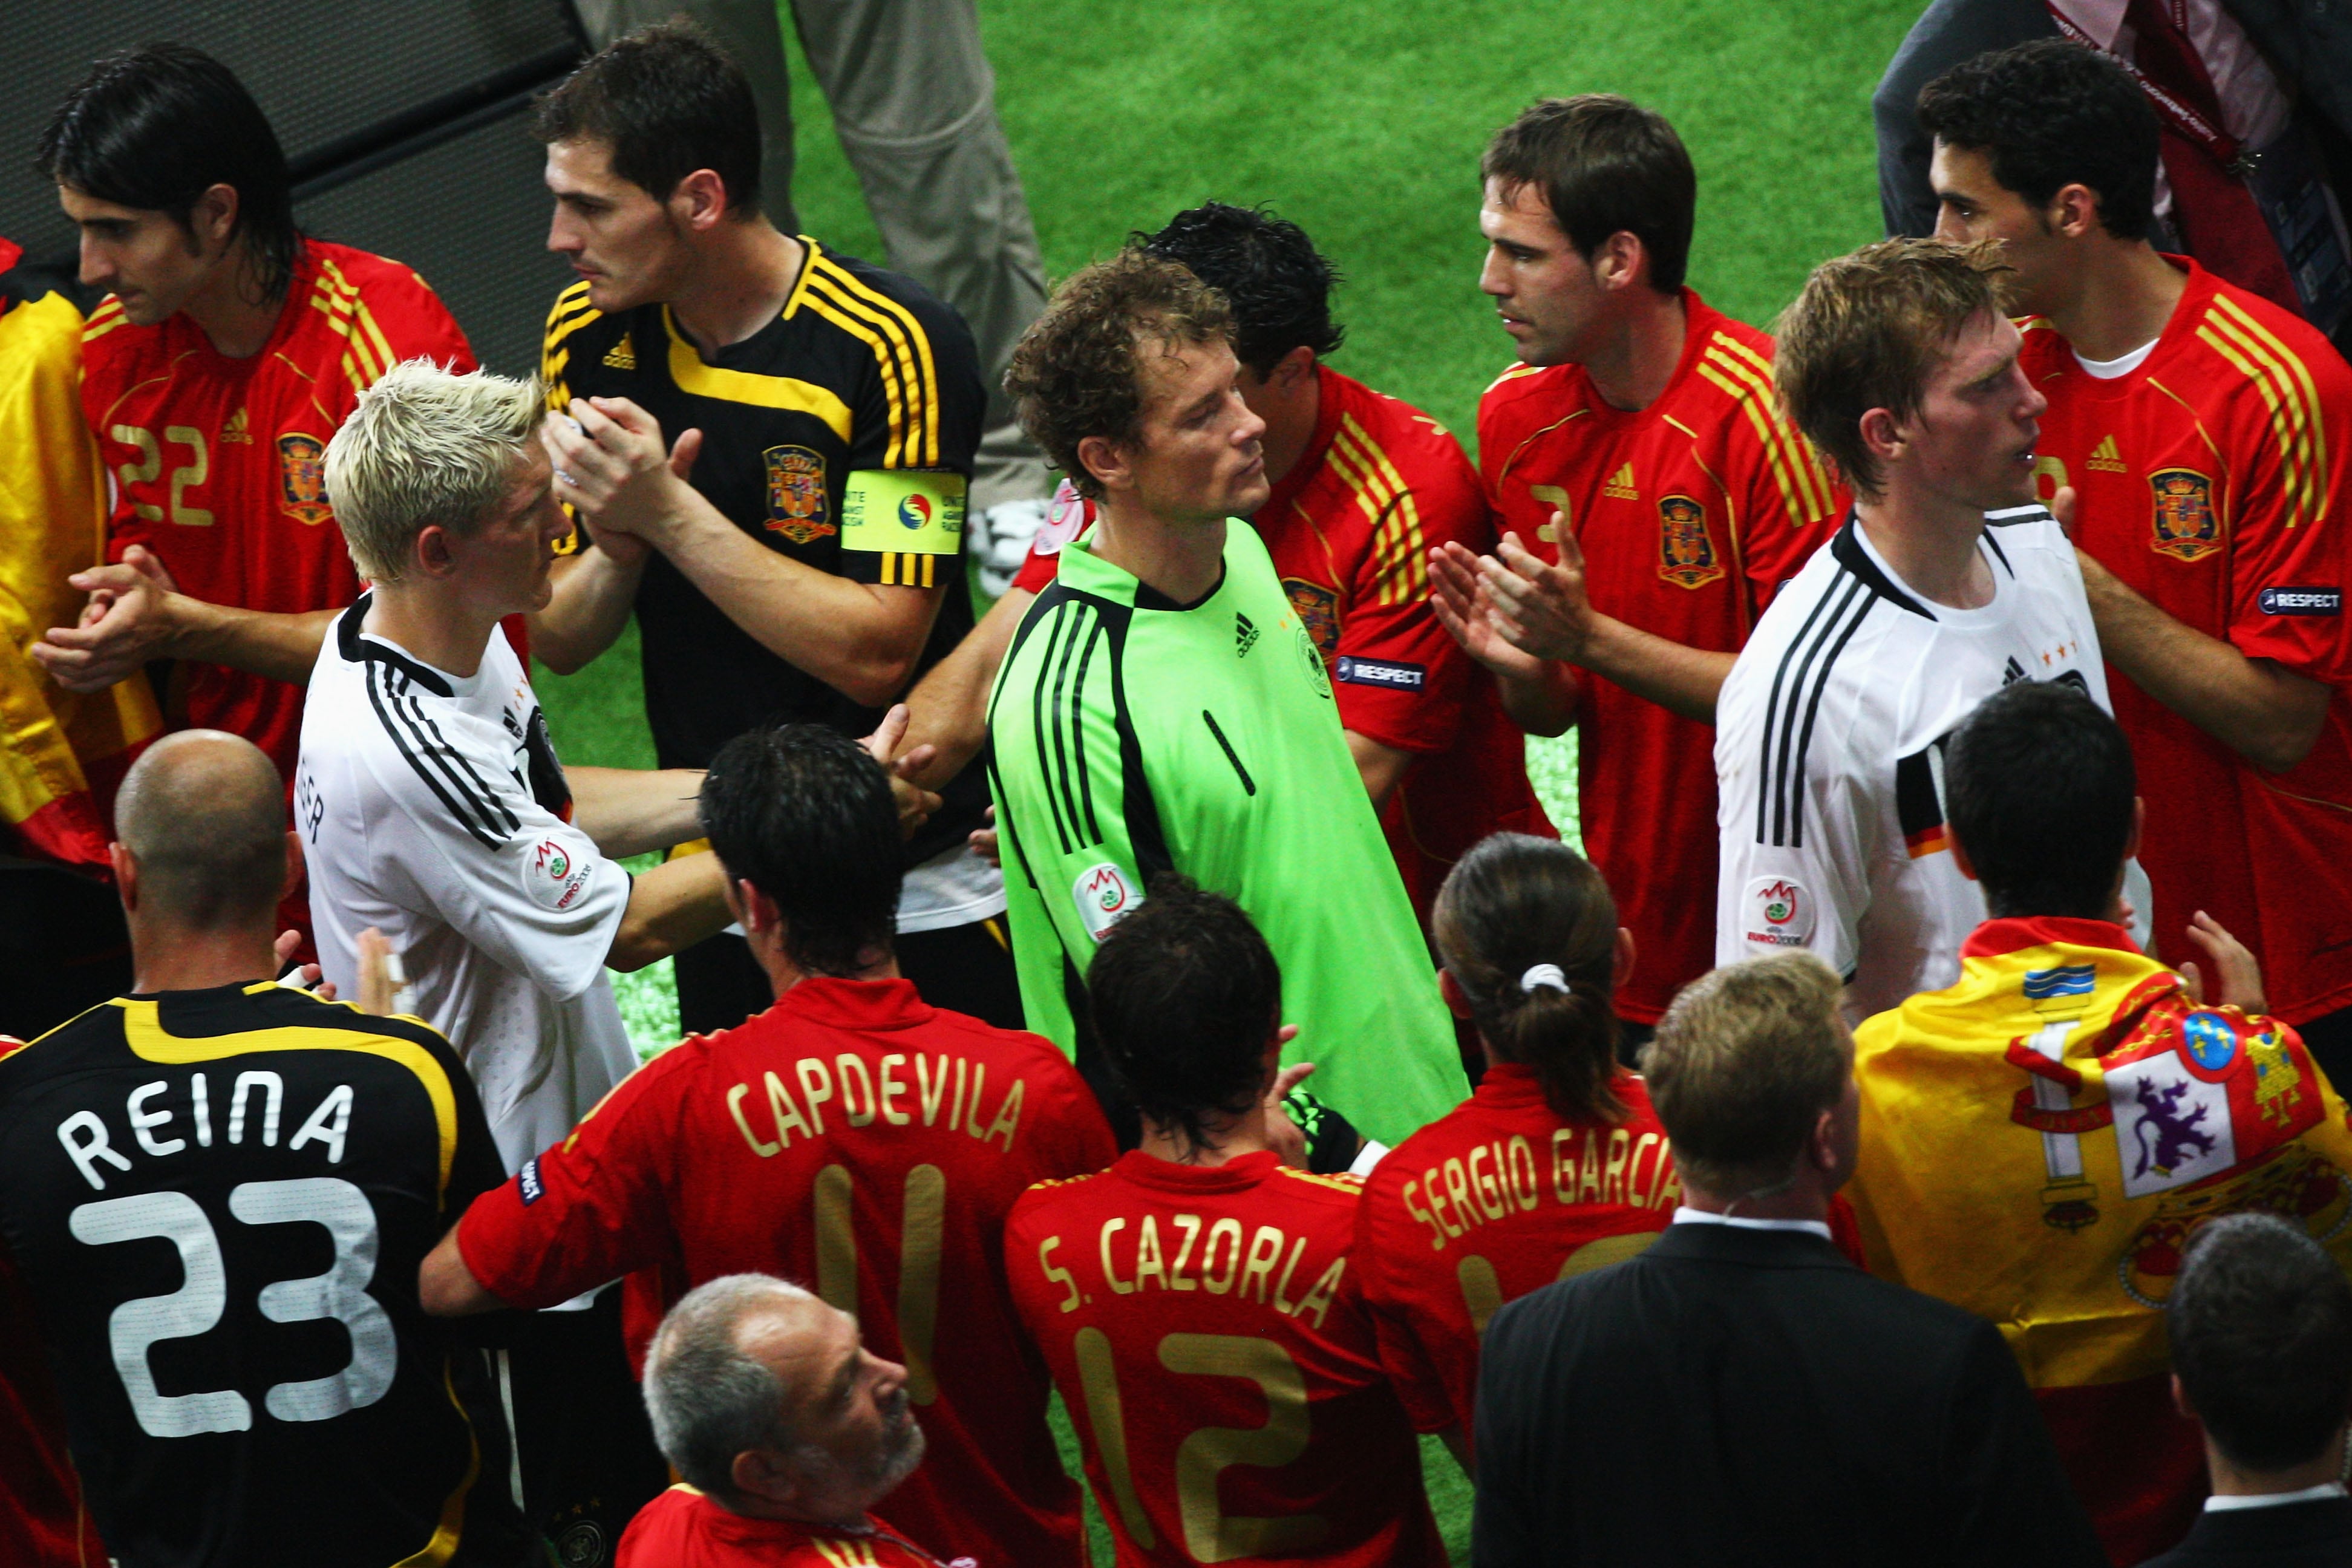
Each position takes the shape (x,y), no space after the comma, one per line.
(432,807)
(1829,751)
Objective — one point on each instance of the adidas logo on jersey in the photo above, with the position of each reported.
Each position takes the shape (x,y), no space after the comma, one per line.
(622,355)
(2104,458)
(236,430)
(1245,635)
(1621,485)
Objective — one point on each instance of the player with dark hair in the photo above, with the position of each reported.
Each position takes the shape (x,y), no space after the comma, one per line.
(2204,433)
(2040,1137)
(1164,707)
(1200,1284)
(851,1135)
(226,352)
(218,1191)
(1654,499)
(1554,1166)
(2260,1325)
(1362,488)
(1948,583)
(768,445)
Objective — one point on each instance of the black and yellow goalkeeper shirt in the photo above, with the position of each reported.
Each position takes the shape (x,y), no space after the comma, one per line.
(841,434)
(218,1201)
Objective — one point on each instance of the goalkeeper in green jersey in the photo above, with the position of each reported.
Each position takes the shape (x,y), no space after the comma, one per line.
(1162,708)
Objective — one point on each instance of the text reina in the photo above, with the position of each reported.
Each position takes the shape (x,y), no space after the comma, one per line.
(1226,1264)
(938,1087)
(256,1100)
(1498,1179)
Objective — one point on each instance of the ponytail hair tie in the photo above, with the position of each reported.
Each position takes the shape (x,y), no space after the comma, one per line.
(1544,975)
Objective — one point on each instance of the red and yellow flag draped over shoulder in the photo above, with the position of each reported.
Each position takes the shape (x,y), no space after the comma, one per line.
(2039,1143)
(60,754)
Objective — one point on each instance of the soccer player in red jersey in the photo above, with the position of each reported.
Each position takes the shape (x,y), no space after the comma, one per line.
(2204,433)
(1555,1165)
(1652,498)
(787,1432)
(851,1136)
(1196,1301)
(1364,488)
(228,353)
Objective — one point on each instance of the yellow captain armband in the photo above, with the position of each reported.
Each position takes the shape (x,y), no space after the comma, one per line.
(903,511)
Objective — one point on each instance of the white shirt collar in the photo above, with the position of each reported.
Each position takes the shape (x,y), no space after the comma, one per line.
(2218,1503)
(1686,1215)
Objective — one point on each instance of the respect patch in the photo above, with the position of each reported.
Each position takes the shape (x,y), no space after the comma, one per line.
(1382,672)
(2302,601)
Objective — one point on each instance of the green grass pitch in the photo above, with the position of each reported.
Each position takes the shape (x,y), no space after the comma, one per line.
(1364,125)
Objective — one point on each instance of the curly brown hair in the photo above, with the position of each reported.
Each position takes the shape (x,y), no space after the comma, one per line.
(1078,370)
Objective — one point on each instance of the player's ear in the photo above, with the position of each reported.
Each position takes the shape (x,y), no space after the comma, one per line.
(2073,211)
(1297,366)
(293,866)
(213,217)
(699,200)
(1621,961)
(432,552)
(1457,1001)
(1966,867)
(1621,261)
(1107,462)
(1881,433)
(2139,821)
(126,873)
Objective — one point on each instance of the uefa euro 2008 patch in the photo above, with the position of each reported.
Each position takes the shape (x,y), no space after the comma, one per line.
(909,512)
(2303,601)
(1382,672)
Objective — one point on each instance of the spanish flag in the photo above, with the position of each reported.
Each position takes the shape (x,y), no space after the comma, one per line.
(2040,1142)
(61,754)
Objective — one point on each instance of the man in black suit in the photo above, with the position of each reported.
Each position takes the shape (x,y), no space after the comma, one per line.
(1741,1393)
(2261,1323)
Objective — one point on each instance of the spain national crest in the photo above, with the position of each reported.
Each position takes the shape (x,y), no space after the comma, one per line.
(796,497)
(1318,612)
(1686,553)
(302,478)
(2185,526)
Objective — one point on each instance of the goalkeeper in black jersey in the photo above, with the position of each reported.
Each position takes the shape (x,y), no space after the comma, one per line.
(218,1191)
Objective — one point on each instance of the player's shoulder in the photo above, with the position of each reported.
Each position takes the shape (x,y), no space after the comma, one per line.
(111,341)
(1463,1127)
(1339,1193)
(344,1025)
(573,313)
(869,302)
(1018,1049)
(2267,365)
(63,1049)
(1521,393)
(346,267)
(1041,1202)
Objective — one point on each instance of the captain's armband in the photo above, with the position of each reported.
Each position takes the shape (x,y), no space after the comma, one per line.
(903,511)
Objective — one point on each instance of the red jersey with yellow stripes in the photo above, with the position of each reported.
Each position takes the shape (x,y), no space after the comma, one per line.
(684,1529)
(856,1140)
(217,463)
(2212,480)
(1500,1198)
(1350,527)
(1691,513)
(1207,1329)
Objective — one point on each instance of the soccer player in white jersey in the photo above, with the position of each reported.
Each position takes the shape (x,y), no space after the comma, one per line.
(429,797)
(431,805)
(1947,583)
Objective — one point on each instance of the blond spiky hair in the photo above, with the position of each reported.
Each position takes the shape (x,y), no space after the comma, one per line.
(426,445)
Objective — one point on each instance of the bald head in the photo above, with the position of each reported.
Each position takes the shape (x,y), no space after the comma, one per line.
(202,816)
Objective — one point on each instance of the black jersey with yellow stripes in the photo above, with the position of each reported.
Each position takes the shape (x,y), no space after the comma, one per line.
(841,434)
(218,1201)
